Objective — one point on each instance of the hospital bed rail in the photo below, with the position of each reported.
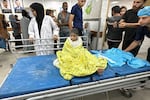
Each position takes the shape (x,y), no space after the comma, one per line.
(21,51)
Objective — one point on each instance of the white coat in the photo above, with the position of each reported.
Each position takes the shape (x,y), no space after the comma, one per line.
(48,29)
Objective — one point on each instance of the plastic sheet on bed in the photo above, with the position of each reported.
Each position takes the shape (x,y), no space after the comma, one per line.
(118,58)
(32,74)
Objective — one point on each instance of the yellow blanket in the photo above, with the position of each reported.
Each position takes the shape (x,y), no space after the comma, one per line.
(78,61)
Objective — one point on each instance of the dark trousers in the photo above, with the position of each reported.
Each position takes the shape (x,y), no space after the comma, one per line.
(80,32)
(63,34)
(113,44)
(55,46)
(18,42)
(148,54)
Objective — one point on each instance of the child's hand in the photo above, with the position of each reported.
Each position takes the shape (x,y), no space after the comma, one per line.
(31,40)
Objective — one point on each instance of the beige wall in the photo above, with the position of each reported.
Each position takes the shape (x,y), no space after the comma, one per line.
(147,3)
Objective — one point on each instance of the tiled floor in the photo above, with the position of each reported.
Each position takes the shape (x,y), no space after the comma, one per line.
(7,59)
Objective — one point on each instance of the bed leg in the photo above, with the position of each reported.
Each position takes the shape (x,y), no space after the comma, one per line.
(107,95)
(125,92)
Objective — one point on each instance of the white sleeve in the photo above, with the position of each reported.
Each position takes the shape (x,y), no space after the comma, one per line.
(31,29)
(55,28)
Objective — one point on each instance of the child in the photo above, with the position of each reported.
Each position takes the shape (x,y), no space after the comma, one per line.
(75,60)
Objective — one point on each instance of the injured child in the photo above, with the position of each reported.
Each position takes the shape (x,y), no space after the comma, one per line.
(76,61)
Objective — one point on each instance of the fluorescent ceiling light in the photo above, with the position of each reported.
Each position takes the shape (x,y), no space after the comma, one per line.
(114,2)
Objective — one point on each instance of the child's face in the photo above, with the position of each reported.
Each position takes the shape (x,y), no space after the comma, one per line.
(73,36)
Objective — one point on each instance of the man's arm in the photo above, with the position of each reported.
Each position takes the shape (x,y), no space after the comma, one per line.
(71,17)
(130,25)
(133,45)
(123,24)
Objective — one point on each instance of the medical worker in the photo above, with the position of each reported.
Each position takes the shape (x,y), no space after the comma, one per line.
(42,27)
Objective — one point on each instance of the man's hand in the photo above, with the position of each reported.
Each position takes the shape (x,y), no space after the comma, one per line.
(122,25)
(55,37)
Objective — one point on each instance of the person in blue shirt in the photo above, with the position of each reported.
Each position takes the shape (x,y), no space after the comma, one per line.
(76,17)
(144,29)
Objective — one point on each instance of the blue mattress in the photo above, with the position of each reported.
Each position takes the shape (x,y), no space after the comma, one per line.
(37,73)
(79,80)
(32,74)
(126,70)
(108,73)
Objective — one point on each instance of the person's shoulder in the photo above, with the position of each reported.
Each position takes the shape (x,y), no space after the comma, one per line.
(111,19)
(130,11)
(24,18)
(75,6)
(47,17)
(33,19)
(141,30)
(117,18)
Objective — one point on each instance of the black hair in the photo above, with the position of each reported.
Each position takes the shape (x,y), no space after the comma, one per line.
(64,3)
(48,11)
(75,30)
(123,7)
(116,9)
(25,14)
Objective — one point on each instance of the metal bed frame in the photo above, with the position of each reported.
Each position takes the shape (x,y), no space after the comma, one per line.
(13,47)
(84,89)
(70,92)
(22,53)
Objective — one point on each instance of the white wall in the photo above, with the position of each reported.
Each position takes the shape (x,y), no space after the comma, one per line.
(48,4)
(94,25)
(127,3)
(57,4)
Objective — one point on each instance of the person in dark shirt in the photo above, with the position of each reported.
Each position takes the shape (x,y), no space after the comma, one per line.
(144,29)
(76,17)
(130,23)
(114,34)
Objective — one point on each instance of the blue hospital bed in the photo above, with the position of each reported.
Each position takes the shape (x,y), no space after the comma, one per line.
(35,77)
